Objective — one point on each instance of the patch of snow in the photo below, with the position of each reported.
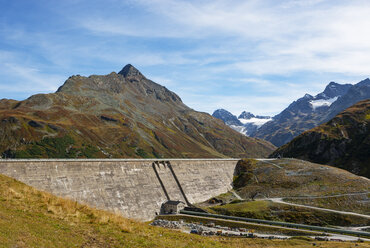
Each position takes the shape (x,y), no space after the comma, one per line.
(255,121)
(321,95)
(240,129)
(323,102)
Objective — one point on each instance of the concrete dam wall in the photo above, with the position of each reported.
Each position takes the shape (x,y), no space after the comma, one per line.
(134,187)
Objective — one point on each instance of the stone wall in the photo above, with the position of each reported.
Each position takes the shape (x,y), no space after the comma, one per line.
(136,188)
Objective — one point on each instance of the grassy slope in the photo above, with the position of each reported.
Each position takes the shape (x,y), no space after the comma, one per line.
(356,203)
(86,135)
(30,218)
(113,116)
(280,212)
(292,178)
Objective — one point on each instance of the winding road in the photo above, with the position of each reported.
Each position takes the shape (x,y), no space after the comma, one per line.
(281,201)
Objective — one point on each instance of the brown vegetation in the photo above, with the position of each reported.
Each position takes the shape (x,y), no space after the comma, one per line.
(30,218)
(344,141)
(116,115)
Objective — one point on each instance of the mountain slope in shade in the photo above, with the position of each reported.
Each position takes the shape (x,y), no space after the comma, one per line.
(116,115)
(356,93)
(344,141)
(310,111)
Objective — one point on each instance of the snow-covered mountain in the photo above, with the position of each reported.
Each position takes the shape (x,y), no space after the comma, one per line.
(310,111)
(331,93)
(227,117)
(301,115)
(247,123)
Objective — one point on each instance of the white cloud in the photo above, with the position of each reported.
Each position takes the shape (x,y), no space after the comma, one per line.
(265,37)
(261,105)
(211,45)
(29,80)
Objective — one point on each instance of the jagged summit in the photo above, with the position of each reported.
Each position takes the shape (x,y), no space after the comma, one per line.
(227,117)
(334,89)
(306,96)
(310,111)
(364,82)
(246,123)
(246,115)
(130,71)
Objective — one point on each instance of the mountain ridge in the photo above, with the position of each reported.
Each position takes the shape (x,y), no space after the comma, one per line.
(343,141)
(116,115)
(310,111)
(247,123)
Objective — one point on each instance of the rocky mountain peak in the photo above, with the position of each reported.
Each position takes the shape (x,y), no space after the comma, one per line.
(306,96)
(334,89)
(308,111)
(227,117)
(126,114)
(246,115)
(130,71)
(129,83)
(364,82)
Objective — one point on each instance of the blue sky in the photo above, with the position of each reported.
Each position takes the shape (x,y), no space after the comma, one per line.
(256,56)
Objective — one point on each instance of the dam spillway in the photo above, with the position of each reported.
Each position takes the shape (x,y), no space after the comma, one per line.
(136,188)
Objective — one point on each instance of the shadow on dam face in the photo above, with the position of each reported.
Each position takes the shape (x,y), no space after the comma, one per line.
(134,187)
